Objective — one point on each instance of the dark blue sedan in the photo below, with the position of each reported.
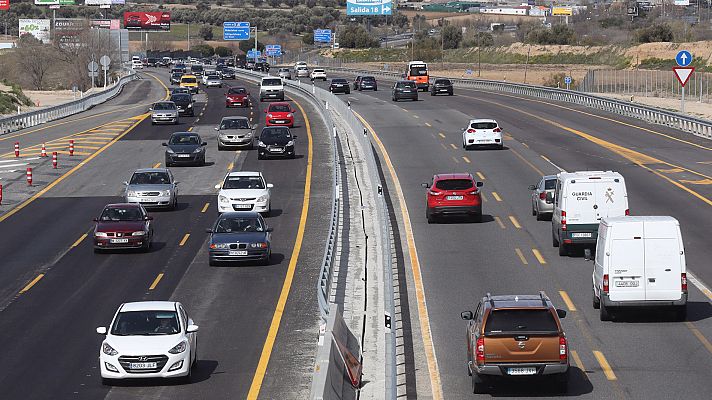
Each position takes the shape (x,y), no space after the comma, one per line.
(239,236)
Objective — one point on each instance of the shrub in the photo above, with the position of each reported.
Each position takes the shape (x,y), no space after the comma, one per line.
(558,34)
(655,33)
(557,80)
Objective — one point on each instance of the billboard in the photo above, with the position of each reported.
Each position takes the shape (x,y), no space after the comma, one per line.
(369,7)
(103,2)
(68,31)
(39,28)
(562,11)
(55,2)
(4,4)
(147,21)
(682,2)
(112,24)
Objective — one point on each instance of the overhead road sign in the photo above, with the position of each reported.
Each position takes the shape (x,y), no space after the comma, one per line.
(369,7)
(254,54)
(683,74)
(236,30)
(683,58)
(273,50)
(322,35)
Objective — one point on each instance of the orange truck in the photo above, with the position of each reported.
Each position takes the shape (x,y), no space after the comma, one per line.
(418,72)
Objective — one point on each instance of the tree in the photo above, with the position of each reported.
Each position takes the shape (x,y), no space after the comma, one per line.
(274,3)
(257,3)
(308,38)
(451,37)
(247,45)
(481,39)
(222,51)
(655,33)
(206,32)
(35,59)
(558,34)
(204,49)
(355,36)
(202,6)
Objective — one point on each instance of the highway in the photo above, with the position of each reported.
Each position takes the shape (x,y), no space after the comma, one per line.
(255,321)
(643,354)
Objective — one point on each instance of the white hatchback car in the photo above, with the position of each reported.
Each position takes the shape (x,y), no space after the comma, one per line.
(244,191)
(482,132)
(148,339)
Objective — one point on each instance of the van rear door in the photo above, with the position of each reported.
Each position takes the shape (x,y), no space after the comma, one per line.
(580,202)
(626,262)
(611,198)
(663,261)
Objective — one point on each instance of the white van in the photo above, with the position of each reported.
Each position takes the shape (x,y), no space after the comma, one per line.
(640,261)
(581,199)
(136,64)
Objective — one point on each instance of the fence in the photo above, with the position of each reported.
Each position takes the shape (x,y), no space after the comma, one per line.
(648,83)
(37,117)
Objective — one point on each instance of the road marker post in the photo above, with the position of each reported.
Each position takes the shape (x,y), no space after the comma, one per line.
(29,176)
(43,152)
(71,147)
(54,160)
(0,193)
(17,149)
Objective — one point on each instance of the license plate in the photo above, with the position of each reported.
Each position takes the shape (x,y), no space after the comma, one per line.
(124,240)
(280,121)
(238,252)
(406,91)
(247,206)
(454,197)
(581,235)
(146,365)
(145,200)
(482,140)
(277,149)
(521,371)
(183,155)
(443,90)
(339,85)
(626,283)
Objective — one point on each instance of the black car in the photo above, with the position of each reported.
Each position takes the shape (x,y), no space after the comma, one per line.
(179,68)
(261,66)
(185,148)
(275,141)
(239,236)
(366,83)
(175,78)
(405,90)
(184,102)
(339,85)
(441,86)
(226,72)
(197,70)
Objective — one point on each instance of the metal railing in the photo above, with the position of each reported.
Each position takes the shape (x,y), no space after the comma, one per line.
(36,117)
(647,83)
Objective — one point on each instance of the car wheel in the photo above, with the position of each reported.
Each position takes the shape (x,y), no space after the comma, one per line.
(432,93)
(212,262)
(146,246)
(477,218)
(479,384)
(266,260)
(97,251)
(188,378)
(260,156)
(429,216)
(175,203)
(501,146)
(605,313)
(596,301)
(450,94)
(107,382)
(348,92)
(563,250)
(153,123)
(533,210)
(554,241)
(220,147)
(681,313)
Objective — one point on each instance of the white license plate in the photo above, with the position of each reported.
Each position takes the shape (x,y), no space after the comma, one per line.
(339,85)
(626,283)
(406,91)
(146,365)
(124,240)
(581,234)
(183,155)
(482,140)
(277,149)
(145,200)
(280,121)
(454,197)
(238,252)
(443,90)
(521,371)
(247,206)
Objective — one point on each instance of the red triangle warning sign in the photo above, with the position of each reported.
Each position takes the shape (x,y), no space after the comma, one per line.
(683,74)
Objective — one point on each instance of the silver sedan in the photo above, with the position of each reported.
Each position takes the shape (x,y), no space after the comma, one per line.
(235,131)
(164,112)
(152,187)
(541,206)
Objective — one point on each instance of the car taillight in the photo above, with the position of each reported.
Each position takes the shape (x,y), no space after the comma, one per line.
(471,130)
(627,212)
(563,220)
(497,130)
(605,283)
(563,351)
(542,196)
(476,191)
(480,350)
(434,193)
(683,281)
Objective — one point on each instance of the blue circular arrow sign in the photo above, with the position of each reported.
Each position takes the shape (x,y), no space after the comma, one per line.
(683,58)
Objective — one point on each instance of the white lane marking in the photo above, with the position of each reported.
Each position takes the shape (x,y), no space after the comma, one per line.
(8,171)
(14,165)
(552,163)
(700,285)
(18,159)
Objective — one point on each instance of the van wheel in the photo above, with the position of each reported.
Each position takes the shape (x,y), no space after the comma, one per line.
(540,216)
(596,301)
(605,314)
(681,313)
(563,250)
(479,384)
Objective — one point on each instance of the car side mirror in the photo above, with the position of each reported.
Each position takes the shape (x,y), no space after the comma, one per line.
(150,108)
(270,186)
(194,100)
(148,218)
(216,128)
(466,315)
(293,110)
(126,183)
(164,144)
(265,111)
(95,219)
(479,184)
(532,187)
(218,186)
(425,185)
(204,144)
(209,230)
(549,197)
(294,136)
(561,313)
(270,229)
(587,254)
(191,328)
(101,330)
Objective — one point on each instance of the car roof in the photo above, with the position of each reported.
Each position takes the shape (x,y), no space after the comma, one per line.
(519,301)
(239,214)
(239,117)
(123,205)
(164,102)
(460,175)
(149,306)
(140,170)
(549,177)
(245,173)
(472,121)
(185,134)
(188,76)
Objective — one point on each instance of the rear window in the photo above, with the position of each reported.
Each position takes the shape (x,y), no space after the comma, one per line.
(442,81)
(532,320)
(279,108)
(550,184)
(406,84)
(188,80)
(483,125)
(368,79)
(454,184)
(338,81)
(196,68)
(271,82)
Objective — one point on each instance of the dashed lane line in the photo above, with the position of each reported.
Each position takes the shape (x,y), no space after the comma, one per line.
(481,176)
(32,283)
(81,238)
(567,300)
(521,256)
(538,256)
(607,370)
(499,222)
(514,221)
(185,239)
(205,207)
(467,160)
(155,281)
(496,196)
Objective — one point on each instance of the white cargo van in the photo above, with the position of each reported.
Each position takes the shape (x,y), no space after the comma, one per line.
(581,199)
(640,261)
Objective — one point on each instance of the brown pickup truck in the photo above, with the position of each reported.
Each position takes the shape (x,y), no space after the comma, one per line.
(516,336)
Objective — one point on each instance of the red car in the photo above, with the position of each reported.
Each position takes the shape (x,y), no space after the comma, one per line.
(280,114)
(123,226)
(453,194)
(237,96)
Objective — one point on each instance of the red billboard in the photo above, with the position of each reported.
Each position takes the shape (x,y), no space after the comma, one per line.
(147,21)
(4,4)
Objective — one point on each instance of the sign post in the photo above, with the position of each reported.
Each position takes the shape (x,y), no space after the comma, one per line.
(567,81)
(93,68)
(683,72)
(105,61)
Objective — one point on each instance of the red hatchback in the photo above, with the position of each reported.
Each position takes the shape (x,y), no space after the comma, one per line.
(237,96)
(123,226)
(280,114)
(453,194)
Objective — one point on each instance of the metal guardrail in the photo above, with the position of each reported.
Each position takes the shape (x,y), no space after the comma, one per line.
(696,126)
(32,118)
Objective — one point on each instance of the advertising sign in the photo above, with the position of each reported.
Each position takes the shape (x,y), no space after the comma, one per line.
(55,2)
(682,2)
(322,35)
(369,7)
(4,4)
(103,2)
(236,30)
(112,24)
(68,31)
(562,11)
(147,21)
(39,28)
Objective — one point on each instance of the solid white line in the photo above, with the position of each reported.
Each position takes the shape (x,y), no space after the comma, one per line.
(552,163)
(18,159)
(8,171)
(14,165)
(700,285)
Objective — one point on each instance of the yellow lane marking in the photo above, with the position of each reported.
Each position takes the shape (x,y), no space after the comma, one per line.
(455,159)
(538,256)
(499,222)
(404,109)
(467,160)
(75,244)
(157,165)
(525,145)
(32,283)
(205,207)
(569,304)
(87,147)
(441,135)
(515,222)
(532,166)
(185,239)
(704,162)
(521,256)
(699,336)
(607,370)
(155,281)
(230,166)
(190,129)
(428,124)
(699,182)
(482,177)
(444,147)
(426,333)
(453,146)
(416,116)
(76,153)
(496,196)
(284,294)
(671,170)
(577,361)
(24,204)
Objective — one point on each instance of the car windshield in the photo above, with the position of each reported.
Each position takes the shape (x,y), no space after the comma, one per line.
(239,224)
(182,98)
(237,91)
(150,178)
(181,90)
(197,68)
(216,77)
(442,81)
(483,125)
(164,106)
(508,320)
(319,70)
(279,108)
(188,80)
(338,81)
(454,184)
(115,214)
(235,123)
(284,70)
(184,139)
(275,133)
(243,182)
(550,184)
(177,74)
(145,323)
(271,82)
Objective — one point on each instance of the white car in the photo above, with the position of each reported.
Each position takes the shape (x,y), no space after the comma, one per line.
(136,64)
(482,132)
(205,75)
(302,71)
(318,73)
(244,191)
(148,339)
(299,64)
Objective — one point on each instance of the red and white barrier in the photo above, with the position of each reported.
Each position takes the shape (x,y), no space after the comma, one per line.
(0,193)
(54,160)
(71,147)
(29,176)
(43,153)
(17,149)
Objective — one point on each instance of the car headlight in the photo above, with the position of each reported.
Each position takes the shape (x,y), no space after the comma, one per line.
(269,115)
(220,246)
(166,192)
(259,245)
(108,350)
(290,143)
(248,135)
(262,198)
(139,233)
(179,348)
(190,105)
(100,234)
(261,144)
(290,115)
(198,150)
(223,199)
(130,193)
(169,151)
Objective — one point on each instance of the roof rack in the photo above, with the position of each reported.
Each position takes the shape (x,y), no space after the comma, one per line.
(488,297)
(544,298)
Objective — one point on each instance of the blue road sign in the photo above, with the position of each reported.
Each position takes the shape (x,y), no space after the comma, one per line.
(236,30)
(273,49)
(683,58)
(369,7)
(468,72)
(567,80)
(254,53)
(322,35)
